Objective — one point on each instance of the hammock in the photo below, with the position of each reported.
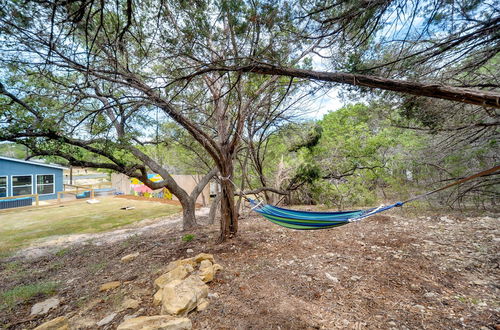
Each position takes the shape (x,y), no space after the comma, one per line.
(304,220)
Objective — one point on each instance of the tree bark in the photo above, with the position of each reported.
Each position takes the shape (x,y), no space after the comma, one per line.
(213,208)
(188,212)
(457,94)
(229,215)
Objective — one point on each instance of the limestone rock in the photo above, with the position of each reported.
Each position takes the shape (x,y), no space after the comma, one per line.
(129,257)
(130,303)
(214,295)
(217,267)
(164,322)
(205,264)
(110,285)
(59,323)
(182,262)
(332,278)
(189,251)
(204,256)
(45,306)
(202,305)
(181,297)
(207,272)
(107,319)
(178,273)
(157,297)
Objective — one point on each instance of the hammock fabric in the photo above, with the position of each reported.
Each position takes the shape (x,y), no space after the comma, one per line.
(303,220)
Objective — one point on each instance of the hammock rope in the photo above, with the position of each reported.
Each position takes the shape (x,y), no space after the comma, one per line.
(306,220)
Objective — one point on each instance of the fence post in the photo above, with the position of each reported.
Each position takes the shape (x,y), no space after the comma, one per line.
(92,194)
(58,197)
(36,200)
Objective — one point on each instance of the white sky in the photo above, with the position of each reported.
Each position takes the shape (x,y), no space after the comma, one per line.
(325,100)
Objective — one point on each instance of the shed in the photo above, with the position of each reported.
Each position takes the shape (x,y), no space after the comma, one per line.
(23,177)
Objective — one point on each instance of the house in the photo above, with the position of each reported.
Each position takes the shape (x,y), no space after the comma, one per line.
(22,177)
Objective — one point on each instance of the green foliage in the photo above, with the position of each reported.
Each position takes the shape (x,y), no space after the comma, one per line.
(12,150)
(188,237)
(347,158)
(340,195)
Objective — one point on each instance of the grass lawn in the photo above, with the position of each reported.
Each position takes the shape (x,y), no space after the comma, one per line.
(19,228)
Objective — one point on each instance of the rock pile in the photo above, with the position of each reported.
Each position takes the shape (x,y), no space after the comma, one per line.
(180,290)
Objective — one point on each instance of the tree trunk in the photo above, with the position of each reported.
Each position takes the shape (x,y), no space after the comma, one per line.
(188,212)
(213,208)
(229,215)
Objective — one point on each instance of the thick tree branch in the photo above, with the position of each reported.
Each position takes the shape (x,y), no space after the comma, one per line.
(463,95)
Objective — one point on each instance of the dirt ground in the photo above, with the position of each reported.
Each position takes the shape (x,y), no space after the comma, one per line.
(395,271)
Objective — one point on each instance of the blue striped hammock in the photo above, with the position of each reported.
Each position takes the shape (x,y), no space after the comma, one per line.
(304,220)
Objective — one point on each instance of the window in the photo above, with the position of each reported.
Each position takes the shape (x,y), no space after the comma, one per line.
(45,184)
(3,186)
(21,185)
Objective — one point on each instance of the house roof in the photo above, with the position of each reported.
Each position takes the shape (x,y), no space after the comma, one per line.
(33,163)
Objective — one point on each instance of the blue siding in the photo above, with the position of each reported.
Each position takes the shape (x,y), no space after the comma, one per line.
(9,168)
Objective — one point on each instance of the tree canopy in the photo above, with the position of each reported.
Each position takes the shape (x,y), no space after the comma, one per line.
(109,84)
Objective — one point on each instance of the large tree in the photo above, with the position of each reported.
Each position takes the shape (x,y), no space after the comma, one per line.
(187,61)
(101,66)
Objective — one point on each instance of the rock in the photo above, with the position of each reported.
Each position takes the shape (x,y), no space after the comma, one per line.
(45,306)
(205,264)
(181,297)
(430,294)
(217,267)
(202,305)
(129,316)
(355,278)
(332,278)
(164,322)
(130,303)
(204,256)
(392,323)
(214,295)
(189,251)
(178,273)
(182,262)
(107,319)
(110,285)
(59,323)
(420,307)
(480,282)
(207,272)
(129,257)
(446,219)
(157,297)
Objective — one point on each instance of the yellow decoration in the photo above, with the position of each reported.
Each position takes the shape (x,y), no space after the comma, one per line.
(167,194)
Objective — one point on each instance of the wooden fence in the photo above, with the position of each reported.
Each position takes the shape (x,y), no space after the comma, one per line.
(77,189)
